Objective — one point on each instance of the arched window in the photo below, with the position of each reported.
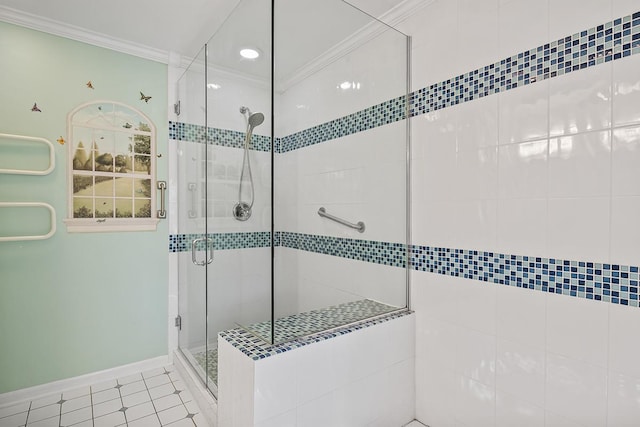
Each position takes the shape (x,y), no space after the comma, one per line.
(111,166)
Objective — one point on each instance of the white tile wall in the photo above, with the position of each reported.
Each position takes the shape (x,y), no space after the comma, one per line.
(361,378)
(550,361)
(562,184)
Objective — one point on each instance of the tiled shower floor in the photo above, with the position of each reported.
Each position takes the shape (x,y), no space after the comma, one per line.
(149,399)
(209,358)
(303,324)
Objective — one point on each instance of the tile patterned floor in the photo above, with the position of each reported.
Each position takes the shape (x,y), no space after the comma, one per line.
(208,361)
(149,399)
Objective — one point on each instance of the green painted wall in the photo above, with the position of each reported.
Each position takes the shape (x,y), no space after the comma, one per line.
(77,302)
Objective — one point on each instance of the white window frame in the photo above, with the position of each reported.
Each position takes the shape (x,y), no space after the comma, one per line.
(91,225)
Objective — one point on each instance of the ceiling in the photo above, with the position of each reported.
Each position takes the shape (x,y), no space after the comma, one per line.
(162,26)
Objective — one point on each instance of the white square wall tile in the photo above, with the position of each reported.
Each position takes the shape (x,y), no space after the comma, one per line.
(576,391)
(360,402)
(583,15)
(625,174)
(626,90)
(512,411)
(477,173)
(624,7)
(578,229)
(580,102)
(580,165)
(476,356)
(400,394)
(624,350)
(316,413)
(476,224)
(436,341)
(554,420)
(315,371)
(578,328)
(476,305)
(439,21)
(623,401)
(436,390)
(523,25)
(625,230)
(477,124)
(523,113)
(522,225)
(520,371)
(521,315)
(474,403)
(522,170)
(275,385)
(477,33)
(288,419)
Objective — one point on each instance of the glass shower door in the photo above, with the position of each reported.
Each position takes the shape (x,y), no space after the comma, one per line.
(193,243)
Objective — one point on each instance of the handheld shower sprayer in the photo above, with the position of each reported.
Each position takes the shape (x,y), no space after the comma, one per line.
(242,210)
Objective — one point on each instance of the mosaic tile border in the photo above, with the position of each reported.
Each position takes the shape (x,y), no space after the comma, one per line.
(221,137)
(257,349)
(613,283)
(221,241)
(315,321)
(386,253)
(379,115)
(610,41)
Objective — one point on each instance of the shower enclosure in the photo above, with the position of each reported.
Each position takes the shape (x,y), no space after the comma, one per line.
(282,154)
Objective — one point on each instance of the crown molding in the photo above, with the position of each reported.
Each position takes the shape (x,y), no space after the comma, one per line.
(51,26)
(388,19)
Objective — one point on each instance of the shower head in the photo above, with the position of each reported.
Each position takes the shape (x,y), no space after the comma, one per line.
(255,119)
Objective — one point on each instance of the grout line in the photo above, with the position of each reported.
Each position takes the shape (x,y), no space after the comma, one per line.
(26,421)
(93,421)
(60,413)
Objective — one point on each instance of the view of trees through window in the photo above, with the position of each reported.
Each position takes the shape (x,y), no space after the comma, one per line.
(112,163)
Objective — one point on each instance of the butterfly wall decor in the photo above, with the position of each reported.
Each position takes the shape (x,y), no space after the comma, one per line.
(60,140)
(90,85)
(144,98)
(35,108)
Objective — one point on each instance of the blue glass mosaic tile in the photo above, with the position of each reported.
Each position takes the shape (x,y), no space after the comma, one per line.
(604,43)
(369,118)
(617,284)
(386,253)
(220,137)
(221,241)
(257,349)
(303,324)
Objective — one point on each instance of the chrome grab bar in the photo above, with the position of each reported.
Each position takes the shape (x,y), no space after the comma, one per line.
(162,186)
(194,242)
(358,226)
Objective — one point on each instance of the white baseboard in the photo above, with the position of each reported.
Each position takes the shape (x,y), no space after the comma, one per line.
(35,392)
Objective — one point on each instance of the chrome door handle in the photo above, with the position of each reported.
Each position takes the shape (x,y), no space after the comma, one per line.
(194,243)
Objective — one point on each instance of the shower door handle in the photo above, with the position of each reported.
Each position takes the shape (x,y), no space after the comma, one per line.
(194,243)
